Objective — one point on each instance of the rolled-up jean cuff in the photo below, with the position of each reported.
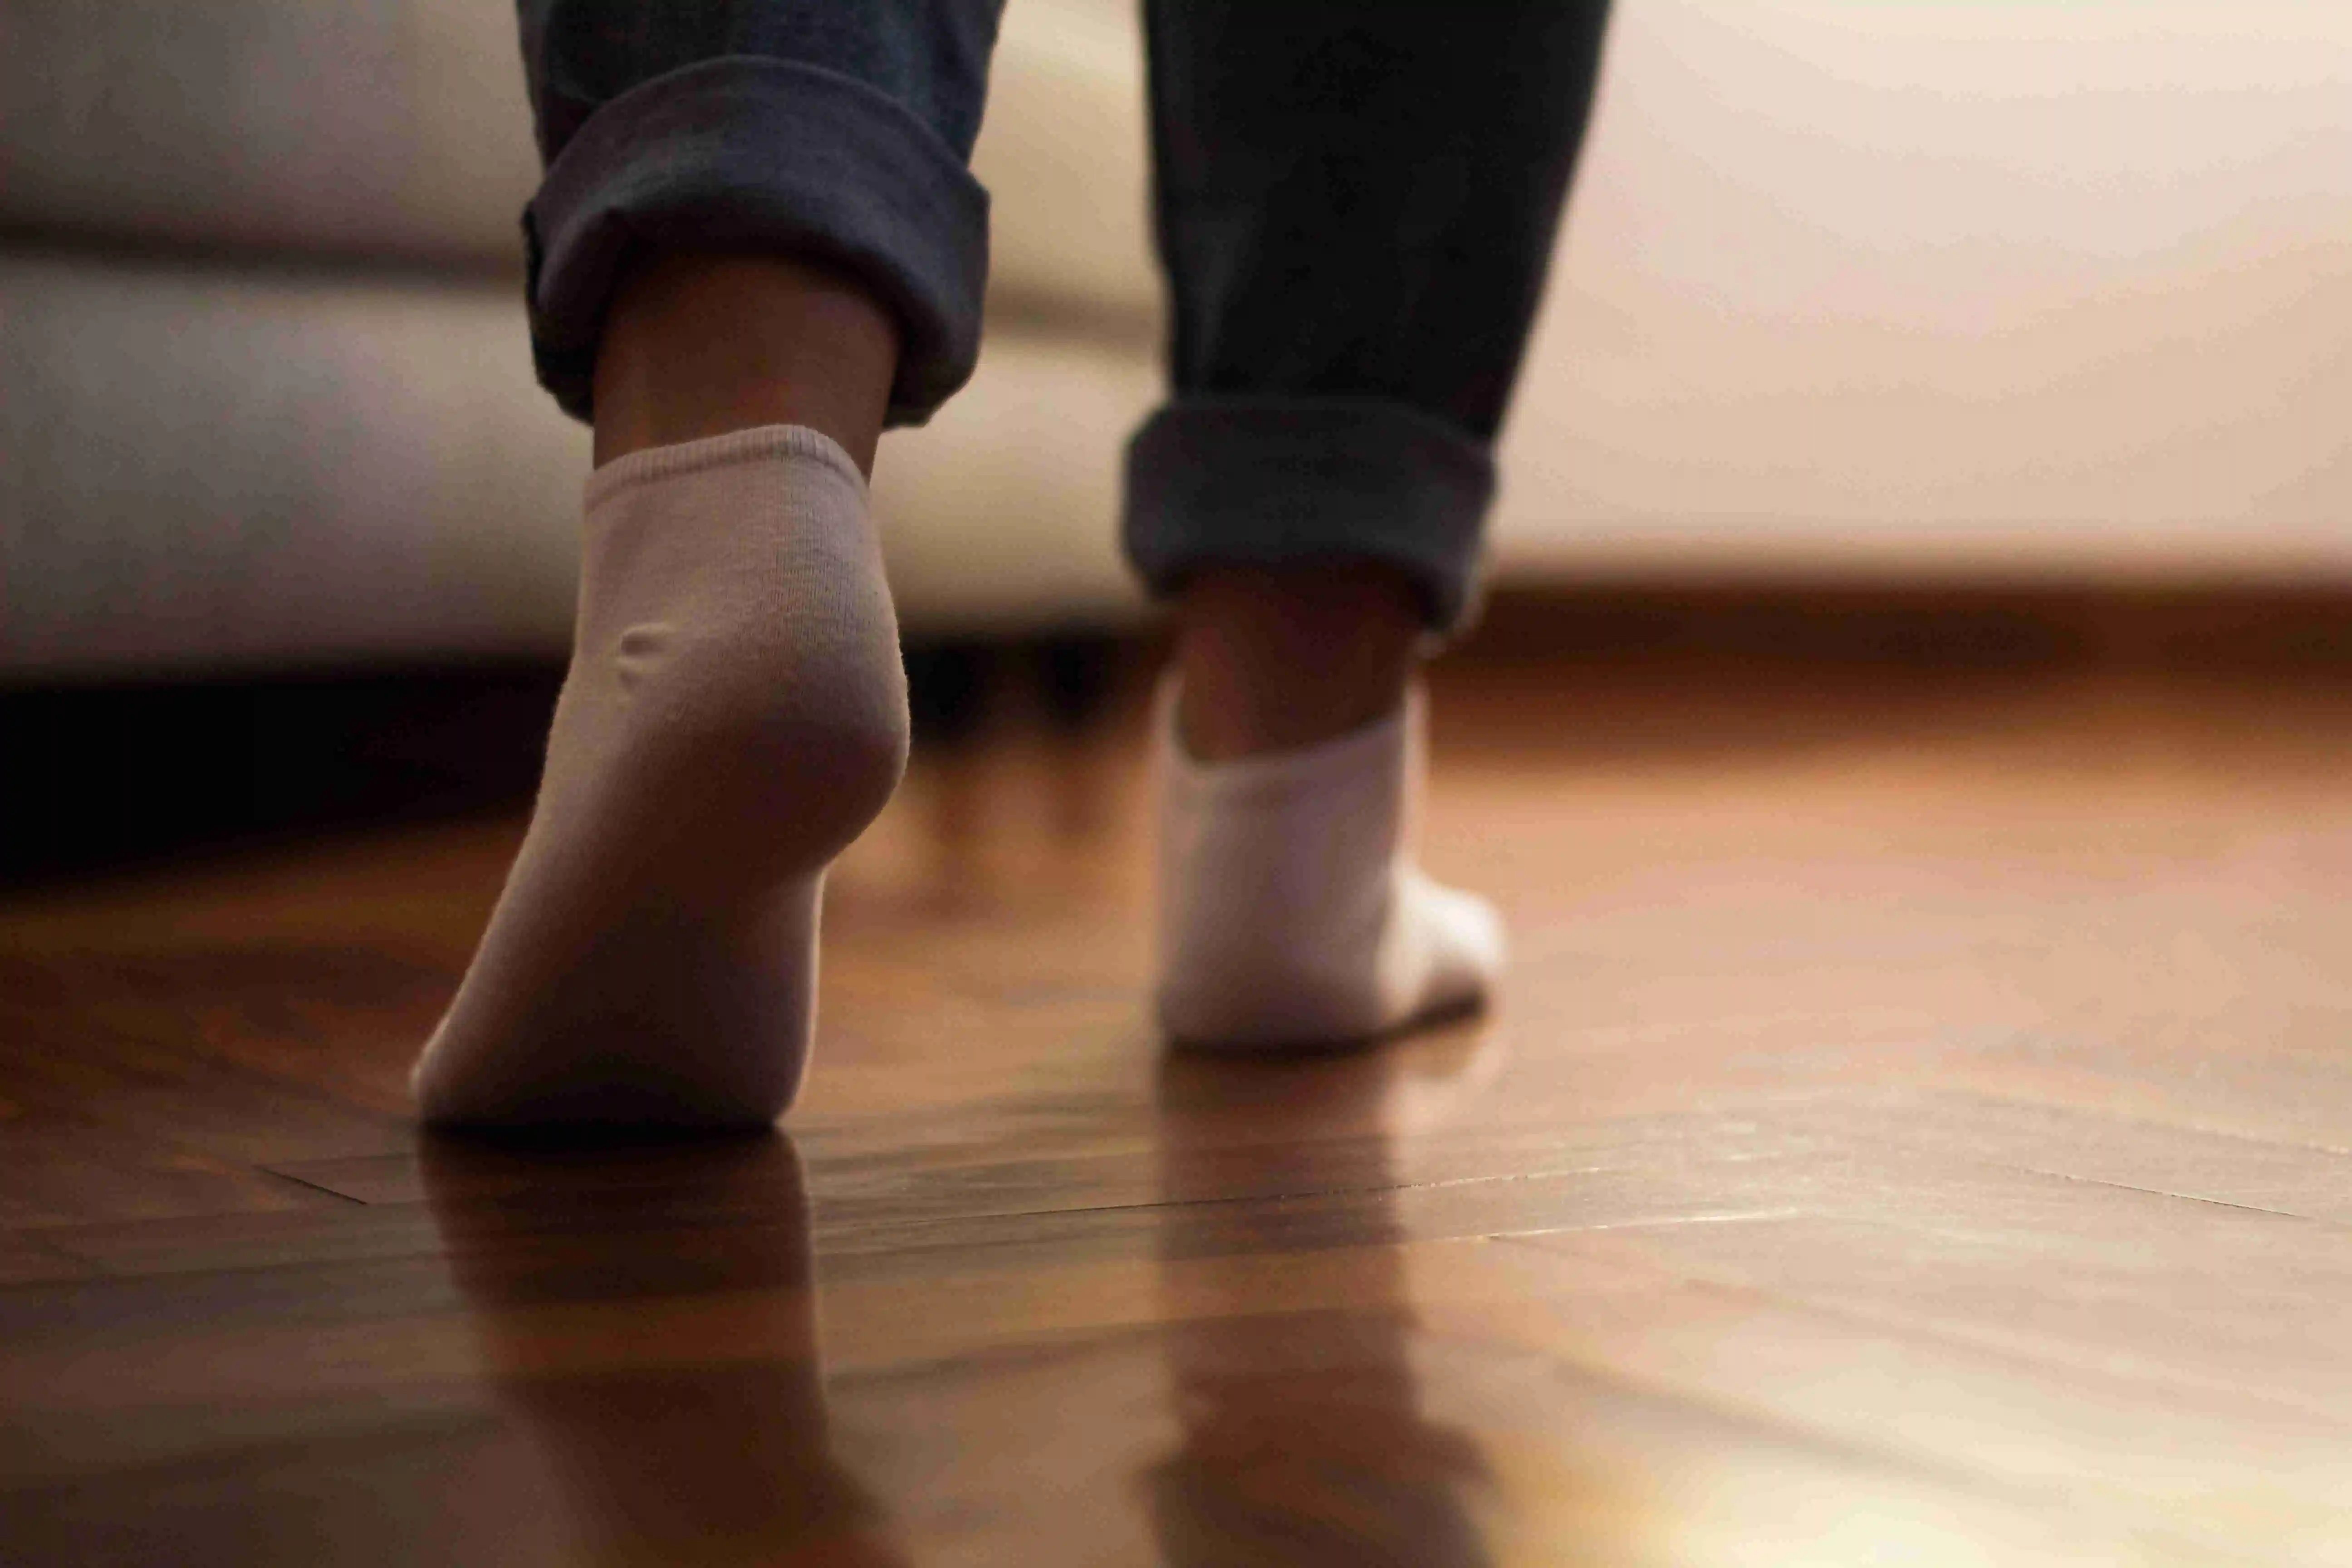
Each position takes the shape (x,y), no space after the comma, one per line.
(753,153)
(1278,481)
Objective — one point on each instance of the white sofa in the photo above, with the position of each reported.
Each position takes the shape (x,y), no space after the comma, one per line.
(1949,291)
(265,393)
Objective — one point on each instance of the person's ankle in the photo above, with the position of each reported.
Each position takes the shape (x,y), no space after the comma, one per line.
(700,344)
(1276,659)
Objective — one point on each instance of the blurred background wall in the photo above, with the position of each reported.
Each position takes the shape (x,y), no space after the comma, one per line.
(2018,291)
(1992,287)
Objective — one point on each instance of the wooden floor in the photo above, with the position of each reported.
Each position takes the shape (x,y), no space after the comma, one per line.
(1918,1128)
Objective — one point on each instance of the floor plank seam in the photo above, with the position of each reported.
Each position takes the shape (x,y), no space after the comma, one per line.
(840,1226)
(2143,1124)
(309,1185)
(2037,1357)
(2298,1216)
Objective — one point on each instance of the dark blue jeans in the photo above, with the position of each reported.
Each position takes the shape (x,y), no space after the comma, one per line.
(1355,199)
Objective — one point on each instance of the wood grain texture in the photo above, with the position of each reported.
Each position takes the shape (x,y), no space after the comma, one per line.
(1917,1128)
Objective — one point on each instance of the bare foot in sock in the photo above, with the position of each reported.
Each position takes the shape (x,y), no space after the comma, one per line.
(1291,913)
(735,714)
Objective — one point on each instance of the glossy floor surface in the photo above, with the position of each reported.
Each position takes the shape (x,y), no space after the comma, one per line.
(1918,1128)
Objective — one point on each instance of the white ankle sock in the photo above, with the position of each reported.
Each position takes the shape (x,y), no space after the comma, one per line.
(1290,911)
(735,714)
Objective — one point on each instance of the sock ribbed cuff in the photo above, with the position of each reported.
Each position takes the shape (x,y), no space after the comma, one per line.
(1305,770)
(720,451)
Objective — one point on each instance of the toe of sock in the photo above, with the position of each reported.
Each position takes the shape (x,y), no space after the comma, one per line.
(1442,955)
(1467,947)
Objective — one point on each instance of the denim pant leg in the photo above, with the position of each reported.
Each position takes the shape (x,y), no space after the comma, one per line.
(1356,201)
(835,129)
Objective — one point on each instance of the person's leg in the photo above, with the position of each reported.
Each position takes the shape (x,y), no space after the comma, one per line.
(1356,204)
(757,243)
(700,343)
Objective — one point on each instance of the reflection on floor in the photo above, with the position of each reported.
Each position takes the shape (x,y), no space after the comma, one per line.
(1919,1129)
